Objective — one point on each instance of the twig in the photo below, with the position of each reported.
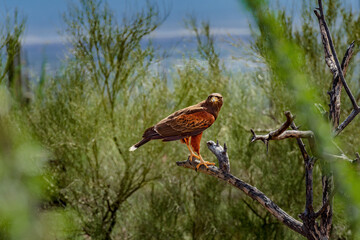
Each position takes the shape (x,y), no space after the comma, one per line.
(357,159)
(254,211)
(346,122)
(343,157)
(325,205)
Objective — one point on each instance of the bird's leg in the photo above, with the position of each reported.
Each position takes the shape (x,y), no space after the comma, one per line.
(195,144)
(192,154)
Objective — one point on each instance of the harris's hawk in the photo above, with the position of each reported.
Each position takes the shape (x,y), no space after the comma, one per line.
(186,125)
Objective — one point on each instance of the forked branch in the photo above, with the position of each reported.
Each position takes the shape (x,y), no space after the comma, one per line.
(282,133)
(249,190)
(333,56)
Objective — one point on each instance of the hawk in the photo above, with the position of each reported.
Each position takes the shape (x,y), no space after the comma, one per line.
(186,125)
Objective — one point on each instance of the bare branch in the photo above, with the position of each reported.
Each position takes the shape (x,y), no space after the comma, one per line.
(284,135)
(329,58)
(309,165)
(322,209)
(357,159)
(335,93)
(326,36)
(249,190)
(346,122)
(301,144)
(286,125)
(273,135)
(342,156)
(221,154)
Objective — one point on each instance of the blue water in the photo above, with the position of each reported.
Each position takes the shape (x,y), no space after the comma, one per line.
(174,50)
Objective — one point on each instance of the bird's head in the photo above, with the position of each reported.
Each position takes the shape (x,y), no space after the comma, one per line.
(215,99)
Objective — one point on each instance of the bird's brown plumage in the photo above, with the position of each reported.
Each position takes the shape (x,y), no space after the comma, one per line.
(186,124)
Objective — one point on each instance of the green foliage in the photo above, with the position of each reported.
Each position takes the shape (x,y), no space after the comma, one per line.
(304,74)
(23,181)
(104,97)
(10,48)
(91,111)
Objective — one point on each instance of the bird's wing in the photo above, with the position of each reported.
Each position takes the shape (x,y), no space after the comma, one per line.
(187,123)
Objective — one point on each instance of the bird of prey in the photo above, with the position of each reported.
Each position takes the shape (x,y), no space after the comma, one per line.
(186,125)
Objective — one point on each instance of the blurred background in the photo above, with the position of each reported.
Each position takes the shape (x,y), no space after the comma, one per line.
(81,80)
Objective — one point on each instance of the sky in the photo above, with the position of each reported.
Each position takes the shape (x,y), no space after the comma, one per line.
(44,21)
(44,17)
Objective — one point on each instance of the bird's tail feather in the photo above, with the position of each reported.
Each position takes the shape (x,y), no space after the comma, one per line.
(139,144)
(148,135)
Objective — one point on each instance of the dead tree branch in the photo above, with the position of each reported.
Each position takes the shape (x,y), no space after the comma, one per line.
(309,165)
(343,157)
(335,93)
(346,122)
(275,134)
(281,133)
(282,136)
(326,36)
(221,154)
(311,228)
(338,71)
(249,190)
(324,206)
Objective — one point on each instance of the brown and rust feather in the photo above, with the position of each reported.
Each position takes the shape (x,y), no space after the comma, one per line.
(185,125)
(187,122)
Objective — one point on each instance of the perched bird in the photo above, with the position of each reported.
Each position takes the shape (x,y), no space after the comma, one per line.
(186,125)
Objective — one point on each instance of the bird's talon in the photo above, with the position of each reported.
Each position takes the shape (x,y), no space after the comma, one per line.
(191,157)
(197,166)
(210,163)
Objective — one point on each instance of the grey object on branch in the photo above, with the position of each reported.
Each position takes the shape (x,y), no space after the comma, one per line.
(221,155)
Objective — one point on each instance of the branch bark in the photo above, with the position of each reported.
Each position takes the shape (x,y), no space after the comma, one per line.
(282,133)
(275,134)
(335,94)
(221,154)
(310,227)
(249,190)
(309,164)
(346,122)
(334,59)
